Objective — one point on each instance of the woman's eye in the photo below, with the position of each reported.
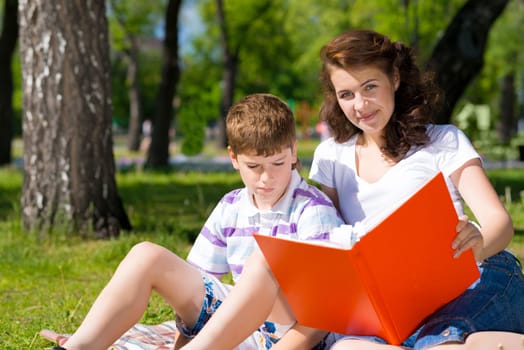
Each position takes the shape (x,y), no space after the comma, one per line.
(346,94)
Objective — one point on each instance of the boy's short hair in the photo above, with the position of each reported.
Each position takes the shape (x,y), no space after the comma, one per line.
(260,124)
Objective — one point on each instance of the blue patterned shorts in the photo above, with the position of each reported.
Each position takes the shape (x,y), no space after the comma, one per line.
(262,339)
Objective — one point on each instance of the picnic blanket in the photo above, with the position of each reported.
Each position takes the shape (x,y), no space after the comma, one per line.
(139,337)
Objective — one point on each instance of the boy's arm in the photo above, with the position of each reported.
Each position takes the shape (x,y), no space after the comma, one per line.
(300,338)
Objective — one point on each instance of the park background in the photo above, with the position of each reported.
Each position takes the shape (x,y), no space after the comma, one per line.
(178,65)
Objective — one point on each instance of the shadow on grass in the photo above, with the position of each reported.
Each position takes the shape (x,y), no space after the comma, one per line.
(9,201)
(173,203)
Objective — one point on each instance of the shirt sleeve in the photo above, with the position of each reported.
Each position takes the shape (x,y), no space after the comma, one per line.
(455,148)
(318,223)
(318,217)
(209,252)
(321,170)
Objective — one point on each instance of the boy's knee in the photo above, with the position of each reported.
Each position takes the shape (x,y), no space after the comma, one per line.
(146,252)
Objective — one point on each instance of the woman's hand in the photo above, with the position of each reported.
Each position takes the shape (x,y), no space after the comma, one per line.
(468,237)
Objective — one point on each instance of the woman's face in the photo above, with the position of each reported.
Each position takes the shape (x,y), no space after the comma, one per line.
(366,96)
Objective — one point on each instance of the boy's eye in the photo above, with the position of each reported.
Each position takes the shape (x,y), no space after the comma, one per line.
(278,163)
(252,166)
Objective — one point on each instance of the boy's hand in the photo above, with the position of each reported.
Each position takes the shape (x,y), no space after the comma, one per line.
(468,237)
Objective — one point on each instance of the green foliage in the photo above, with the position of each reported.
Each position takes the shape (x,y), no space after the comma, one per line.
(148,78)
(133,18)
(120,99)
(199,103)
(503,55)
(150,61)
(278,43)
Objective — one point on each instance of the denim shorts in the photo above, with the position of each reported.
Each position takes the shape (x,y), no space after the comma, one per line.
(495,302)
(262,339)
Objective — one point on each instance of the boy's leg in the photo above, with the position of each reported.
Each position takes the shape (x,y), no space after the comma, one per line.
(244,310)
(122,302)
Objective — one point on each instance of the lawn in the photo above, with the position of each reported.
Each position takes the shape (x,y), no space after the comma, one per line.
(52,283)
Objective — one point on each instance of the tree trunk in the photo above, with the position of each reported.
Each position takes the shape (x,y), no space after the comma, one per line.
(8,38)
(69,169)
(135,106)
(459,55)
(158,153)
(229,73)
(230,57)
(507,126)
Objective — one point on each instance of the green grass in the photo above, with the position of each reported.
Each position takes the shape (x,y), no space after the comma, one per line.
(52,283)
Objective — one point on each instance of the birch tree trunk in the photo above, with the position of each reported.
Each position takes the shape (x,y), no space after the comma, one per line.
(69,172)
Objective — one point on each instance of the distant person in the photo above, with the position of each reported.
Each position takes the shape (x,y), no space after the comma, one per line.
(147,128)
(322,130)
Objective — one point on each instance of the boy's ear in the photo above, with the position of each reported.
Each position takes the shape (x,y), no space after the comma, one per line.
(233,157)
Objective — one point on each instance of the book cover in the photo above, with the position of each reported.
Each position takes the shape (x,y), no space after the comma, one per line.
(396,275)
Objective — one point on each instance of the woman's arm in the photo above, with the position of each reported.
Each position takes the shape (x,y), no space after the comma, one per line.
(480,196)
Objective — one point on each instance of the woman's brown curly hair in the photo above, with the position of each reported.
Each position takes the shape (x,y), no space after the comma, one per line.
(416,99)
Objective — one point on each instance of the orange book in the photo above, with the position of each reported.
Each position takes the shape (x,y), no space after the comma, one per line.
(388,282)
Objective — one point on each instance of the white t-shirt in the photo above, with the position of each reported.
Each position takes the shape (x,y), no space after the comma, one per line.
(369,203)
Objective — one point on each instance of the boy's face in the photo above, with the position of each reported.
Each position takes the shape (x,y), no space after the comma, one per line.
(266,177)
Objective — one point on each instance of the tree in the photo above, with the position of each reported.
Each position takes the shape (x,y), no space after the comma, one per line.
(229,73)
(8,39)
(158,152)
(129,22)
(131,55)
(505,76)
(69,169)
(275,48)
(459,55)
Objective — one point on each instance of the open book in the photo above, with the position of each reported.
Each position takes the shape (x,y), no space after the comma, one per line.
(388,282)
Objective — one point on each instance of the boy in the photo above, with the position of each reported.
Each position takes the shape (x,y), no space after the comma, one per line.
(275,201)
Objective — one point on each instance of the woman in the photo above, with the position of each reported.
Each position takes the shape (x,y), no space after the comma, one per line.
(379,108)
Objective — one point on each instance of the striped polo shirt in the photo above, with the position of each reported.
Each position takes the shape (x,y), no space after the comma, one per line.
(226,241)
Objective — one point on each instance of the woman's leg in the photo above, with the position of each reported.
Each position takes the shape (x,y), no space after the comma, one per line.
(358,344)
(488,341)
(122,302)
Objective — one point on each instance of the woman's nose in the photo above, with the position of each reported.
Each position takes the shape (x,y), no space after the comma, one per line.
(359,102)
